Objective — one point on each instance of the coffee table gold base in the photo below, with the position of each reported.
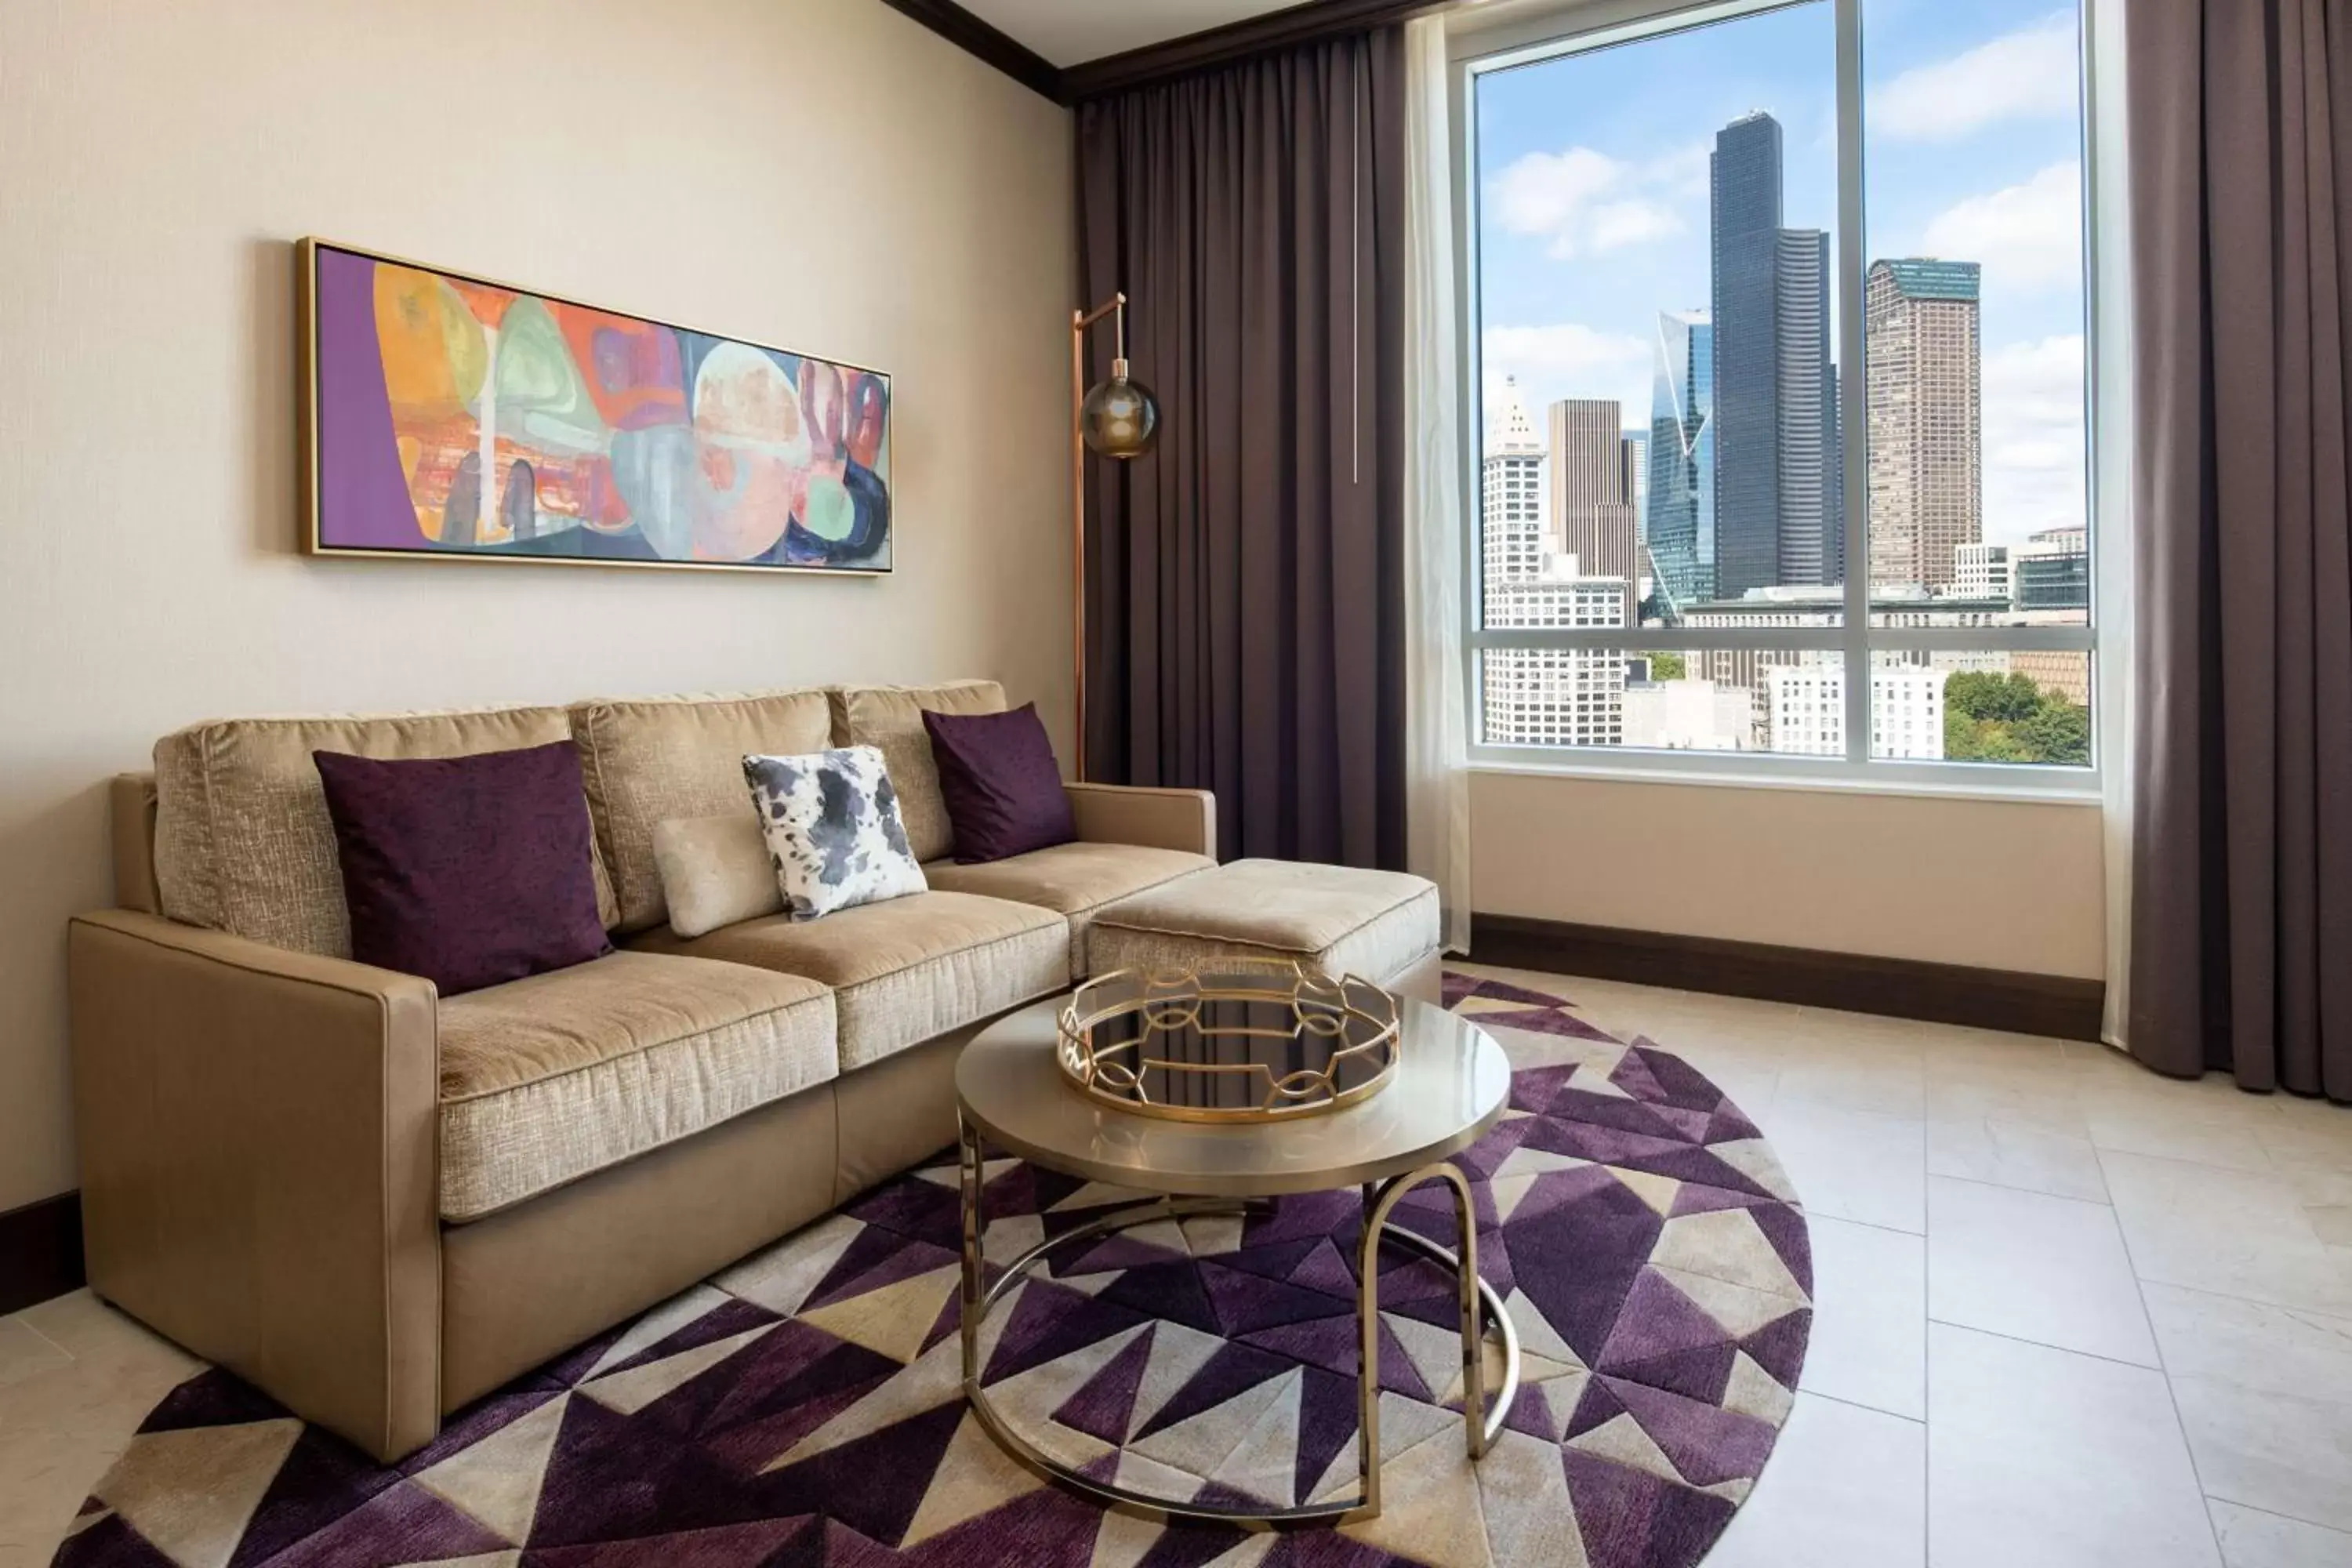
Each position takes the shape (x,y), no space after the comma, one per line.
(1481,1424)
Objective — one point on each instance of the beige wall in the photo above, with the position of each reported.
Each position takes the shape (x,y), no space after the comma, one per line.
(2000,884)
(820,173)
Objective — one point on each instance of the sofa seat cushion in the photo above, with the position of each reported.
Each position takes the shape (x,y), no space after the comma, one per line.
(1338,919)
(546,1080)
(1074,880)
(905,970)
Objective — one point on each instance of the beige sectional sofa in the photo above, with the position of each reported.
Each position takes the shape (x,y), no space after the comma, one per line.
(377,1204)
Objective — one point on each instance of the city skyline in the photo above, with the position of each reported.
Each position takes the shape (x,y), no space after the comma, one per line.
(1594,227)
(1745,418)
(1721,504)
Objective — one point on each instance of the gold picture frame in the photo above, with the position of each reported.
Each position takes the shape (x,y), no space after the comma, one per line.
(642,457)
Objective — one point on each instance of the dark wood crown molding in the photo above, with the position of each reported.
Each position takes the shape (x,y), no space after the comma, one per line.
(976,37)
(1287,28)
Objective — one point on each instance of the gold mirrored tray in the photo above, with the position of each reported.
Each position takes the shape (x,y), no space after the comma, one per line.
(1233,1039)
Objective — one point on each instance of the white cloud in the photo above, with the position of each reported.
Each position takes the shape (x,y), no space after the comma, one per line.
(1685,171)
(2034,446)
(1616,224)
(2035,73)
(1585,201)
(1567,358)
(1547,193)
(2029,237)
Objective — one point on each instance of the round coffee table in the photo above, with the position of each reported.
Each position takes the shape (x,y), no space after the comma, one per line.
(1451,1084)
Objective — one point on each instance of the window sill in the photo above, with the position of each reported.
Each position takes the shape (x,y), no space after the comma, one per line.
(2080,788)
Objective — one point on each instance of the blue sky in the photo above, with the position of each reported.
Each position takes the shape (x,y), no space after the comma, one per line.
(1593,194)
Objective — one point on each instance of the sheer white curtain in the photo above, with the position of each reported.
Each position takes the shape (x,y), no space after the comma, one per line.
(1437,785)
(2114,460)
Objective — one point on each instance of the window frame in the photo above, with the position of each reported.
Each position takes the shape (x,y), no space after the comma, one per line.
(1577,27)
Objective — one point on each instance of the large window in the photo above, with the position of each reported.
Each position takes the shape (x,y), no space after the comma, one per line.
(1777,341)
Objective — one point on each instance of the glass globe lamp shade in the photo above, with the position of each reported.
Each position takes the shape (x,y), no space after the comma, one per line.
(1120,417)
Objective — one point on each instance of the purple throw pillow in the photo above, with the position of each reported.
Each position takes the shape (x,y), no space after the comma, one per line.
(1004,793)
(466,870)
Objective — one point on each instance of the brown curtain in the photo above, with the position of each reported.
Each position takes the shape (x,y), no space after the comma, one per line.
(1245,596)
(2241,904)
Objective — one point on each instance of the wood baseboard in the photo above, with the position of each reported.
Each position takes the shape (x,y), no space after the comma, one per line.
(41,1251)
(2058,1005)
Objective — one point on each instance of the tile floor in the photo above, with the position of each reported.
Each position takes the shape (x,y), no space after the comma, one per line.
(2070,1314)
(76,1379)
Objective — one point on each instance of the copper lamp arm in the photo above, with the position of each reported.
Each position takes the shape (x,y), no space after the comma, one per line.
(1079,321)
(1116,305)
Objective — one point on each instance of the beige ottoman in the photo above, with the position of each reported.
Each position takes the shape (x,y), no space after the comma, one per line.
(1380,925)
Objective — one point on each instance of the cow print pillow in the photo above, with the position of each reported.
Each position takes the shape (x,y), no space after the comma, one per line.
(831,819)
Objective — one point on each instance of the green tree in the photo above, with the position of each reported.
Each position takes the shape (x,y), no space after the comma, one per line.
(2007,718)
(2059,733)
(2004,699)
(1668,666)
(1967,740)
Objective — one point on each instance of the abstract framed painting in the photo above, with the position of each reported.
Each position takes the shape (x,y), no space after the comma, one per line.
(450,417)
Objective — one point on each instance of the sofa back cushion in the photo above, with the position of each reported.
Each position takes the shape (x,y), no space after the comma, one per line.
(657,760)
(891,718)
(243,841)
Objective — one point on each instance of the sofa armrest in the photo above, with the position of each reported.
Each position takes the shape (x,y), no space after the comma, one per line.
(259,1159)
(1155,818)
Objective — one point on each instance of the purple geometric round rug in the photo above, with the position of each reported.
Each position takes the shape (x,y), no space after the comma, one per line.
(803,1407)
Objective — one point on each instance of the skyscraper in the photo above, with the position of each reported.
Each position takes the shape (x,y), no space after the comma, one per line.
(1592,515)
(1833,484)
(1812,539)
(1510,493)
(1635,445)
(1744,189)
(1926,410)
(1587,466)
(1776,447)
(1679,526)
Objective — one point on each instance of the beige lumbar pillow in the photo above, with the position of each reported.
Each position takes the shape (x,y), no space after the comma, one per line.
(715,871)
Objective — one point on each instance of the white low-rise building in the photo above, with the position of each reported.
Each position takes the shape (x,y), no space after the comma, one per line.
(1980,572)
(1688,716)
(1554,697)
(1805,712)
